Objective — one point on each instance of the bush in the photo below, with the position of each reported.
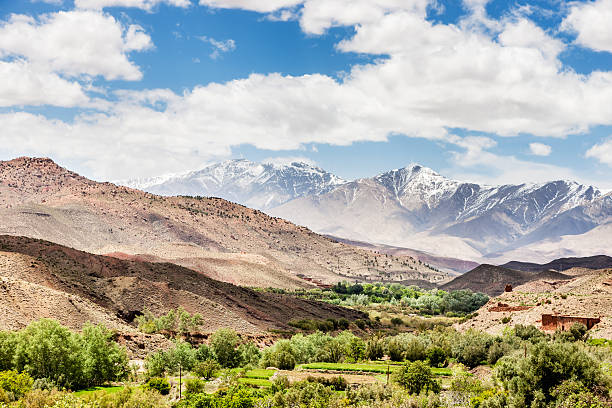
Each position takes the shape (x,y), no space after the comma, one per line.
(206,369)
(375,348)
(203,353)
(14,384)
(336,383)
(103,359)
(224,345)
(194,386)
(530,333)
(577,332)
(547,367)
(249,354)
(472,348)
(160,385)
(436,356)
(280,355)
(396,321)
(356,349)
(416,377)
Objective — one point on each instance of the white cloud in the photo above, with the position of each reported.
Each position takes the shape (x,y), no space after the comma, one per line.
(74,43)
(540,149)
(141,4)
(24,84)
(53,2)
(602,152)
(477,164)
(219,46)
(261,6)
(591,22)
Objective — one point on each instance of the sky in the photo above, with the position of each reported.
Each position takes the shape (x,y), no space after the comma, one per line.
(490,91)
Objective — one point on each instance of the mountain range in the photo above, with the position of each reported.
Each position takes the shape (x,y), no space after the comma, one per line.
(217,238)
(417,208)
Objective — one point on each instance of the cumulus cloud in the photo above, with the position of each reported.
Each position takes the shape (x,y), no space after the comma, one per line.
(477,164)
(75,43)
(540,149)
(141,4)
(260,6)
(602,152)
(25,84)
(219,46)
(591,23)
(506,80)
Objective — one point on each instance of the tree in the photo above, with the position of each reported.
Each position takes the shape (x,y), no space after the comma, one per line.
(46,349)
(103,359)
(224,345)
(416,377)
(8,342)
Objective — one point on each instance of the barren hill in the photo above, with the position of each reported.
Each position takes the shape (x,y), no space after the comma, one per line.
(220,239)
(562,264)
(42,279)
(587,294)
(492,280)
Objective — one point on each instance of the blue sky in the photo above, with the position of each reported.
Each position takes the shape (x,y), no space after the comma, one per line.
(489,91)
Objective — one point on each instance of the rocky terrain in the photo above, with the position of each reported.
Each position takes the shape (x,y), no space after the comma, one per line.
(591,262)
(42,279)
(220,239)
(587,294)
(492,280)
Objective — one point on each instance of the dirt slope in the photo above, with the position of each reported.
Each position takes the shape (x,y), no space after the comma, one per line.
(588,293)
(218,238)
(562,264)
(42,279)
(492,280)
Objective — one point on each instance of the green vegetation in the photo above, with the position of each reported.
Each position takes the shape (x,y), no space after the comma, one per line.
(426,302)
(49,352)
(529,369)
(177,321)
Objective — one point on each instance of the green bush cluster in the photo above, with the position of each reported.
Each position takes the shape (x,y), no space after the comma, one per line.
(429,302)
(177,321)
(47,350)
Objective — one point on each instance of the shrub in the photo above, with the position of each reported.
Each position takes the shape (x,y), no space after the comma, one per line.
(8,343)
(160,385)
(224,345)
(280,355)
(375,348)
(203,353)
(472,348)
(249,354)
(506,319)
(577,332)
(436,356)
(530,333)
(194,386)
(206,369)
(416,377)
(14,384)
(336,383)
(103,359)
(356,349)
(548,366)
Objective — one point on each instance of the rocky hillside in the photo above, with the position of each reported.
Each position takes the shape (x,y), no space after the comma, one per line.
(585,293)
(42,279)
(220,239)
(492,280)
(562,264)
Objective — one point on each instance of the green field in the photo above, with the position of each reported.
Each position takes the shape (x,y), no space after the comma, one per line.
(261,373)
(110,390)
(365,367)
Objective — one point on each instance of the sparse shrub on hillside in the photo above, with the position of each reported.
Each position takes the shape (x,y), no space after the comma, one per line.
(177,321)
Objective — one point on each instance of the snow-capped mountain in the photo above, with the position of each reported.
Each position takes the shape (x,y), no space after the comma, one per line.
(256,185)
(413,207)
(418,208)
